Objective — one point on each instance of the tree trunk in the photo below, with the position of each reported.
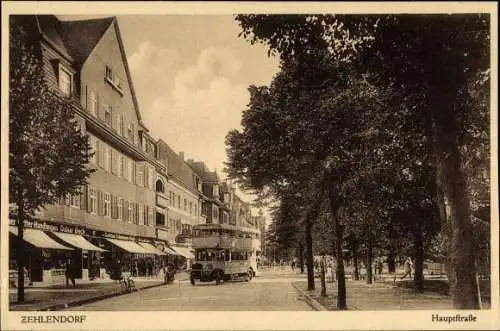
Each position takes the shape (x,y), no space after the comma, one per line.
(451,179)
(323,279)
(369,258)
(338,238)
(418,247)
(301,257)
(20,254)
(355,259)
(391,260)
(309,257)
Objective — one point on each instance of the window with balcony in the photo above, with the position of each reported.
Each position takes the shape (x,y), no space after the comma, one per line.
(65,81)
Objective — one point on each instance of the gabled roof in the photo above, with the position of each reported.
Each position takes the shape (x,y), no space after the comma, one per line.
(81,37)
(77,40)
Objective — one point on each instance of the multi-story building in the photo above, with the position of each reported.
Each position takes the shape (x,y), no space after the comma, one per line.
(184,204)
(215,195)
(114,217)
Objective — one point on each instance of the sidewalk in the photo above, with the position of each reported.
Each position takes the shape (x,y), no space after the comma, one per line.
(59,296)
(376,296)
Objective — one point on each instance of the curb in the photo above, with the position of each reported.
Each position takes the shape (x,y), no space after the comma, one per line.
(77,303)
(315,305)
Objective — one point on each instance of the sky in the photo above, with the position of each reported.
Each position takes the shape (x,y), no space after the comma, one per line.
(191,75)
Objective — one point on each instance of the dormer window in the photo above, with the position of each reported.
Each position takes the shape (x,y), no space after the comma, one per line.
(113,80)
(65,81)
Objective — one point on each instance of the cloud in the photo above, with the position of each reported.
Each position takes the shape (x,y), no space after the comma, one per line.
(202,107)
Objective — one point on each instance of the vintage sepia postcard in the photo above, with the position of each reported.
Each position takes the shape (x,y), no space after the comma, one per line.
(249,166)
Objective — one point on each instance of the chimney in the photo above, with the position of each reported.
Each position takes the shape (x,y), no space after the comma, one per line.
(181,155)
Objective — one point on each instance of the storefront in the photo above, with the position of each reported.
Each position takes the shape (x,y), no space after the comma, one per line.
(93,254)
(186,256)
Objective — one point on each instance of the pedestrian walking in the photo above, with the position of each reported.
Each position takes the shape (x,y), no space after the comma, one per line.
(293,265)
(69,273)
(408,265)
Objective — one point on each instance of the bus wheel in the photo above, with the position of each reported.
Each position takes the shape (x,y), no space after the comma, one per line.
(192,280)
(250,274)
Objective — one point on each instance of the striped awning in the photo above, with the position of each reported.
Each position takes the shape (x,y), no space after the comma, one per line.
(39,239)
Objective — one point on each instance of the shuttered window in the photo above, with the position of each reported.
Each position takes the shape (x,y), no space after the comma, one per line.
(119,209)
(114,161)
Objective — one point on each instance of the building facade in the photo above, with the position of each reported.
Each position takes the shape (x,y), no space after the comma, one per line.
(116,211)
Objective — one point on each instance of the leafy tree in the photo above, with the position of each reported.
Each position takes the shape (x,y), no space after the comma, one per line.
(47,152)
(430,58)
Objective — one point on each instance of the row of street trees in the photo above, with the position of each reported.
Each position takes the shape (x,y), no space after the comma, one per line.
(375,133)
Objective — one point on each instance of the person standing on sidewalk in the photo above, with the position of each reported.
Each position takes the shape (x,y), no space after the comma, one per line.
(69,273)
(408,266)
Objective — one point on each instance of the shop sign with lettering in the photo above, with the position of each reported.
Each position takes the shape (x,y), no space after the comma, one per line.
(49,226)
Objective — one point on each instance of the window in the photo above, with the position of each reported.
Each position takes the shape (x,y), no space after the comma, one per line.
(150,216)
(106,157)
(130,132)
(93,103)
(121,165)
(179,201)
(151,176)
(171,197)
(119,207)
(147,182)
(94,144)
(92,207)
(139,169)
(74,200)
(185,205)
(130,170)
(141,214)
(215,191)
(107,205)
(114,161)
(65,82)
(190,208)
(130,212)
(120,124)
(196,210)
(107,115)
(109,73)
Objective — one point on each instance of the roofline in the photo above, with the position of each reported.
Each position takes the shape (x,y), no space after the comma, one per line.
(127,71)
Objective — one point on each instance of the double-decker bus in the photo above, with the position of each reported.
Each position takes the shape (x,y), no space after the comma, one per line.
(224,252)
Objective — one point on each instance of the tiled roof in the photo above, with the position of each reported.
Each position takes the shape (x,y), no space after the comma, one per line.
(80,37)
(51,27)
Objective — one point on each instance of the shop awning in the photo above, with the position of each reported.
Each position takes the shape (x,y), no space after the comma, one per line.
(151,248)
(39,239)
(184,252)
(129,246)
(78,241)
(170,251)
